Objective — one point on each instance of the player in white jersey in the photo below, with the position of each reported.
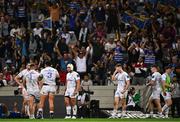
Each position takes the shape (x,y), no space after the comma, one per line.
(31,82)
(166,90)
(18,78)
(71,91)
(123,80)
(155,83)
(49,78)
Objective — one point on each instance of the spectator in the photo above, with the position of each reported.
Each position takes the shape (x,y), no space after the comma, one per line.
(140,72)
(3,82)
(86,82)
(176,97)
(80,60)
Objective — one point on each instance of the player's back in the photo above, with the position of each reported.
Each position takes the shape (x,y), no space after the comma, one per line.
(49,75)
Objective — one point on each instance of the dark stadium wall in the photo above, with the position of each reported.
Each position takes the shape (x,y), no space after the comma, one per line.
(59,107)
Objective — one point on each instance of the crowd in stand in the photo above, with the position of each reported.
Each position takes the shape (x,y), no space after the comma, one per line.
(91,35)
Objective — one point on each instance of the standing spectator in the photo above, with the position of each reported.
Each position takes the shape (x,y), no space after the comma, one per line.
(54,11)
(110,45)
(140,72)
(21,13)
(4,27)
(118,52)
(83,35)
(37,30)
(81,61)
(176,97)
(99,12)
(112,21)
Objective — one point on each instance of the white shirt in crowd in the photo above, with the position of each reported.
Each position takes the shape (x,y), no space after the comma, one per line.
(81,64)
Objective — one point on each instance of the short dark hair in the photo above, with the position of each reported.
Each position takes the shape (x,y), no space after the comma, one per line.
(118,65)
(48,63)
(154,65)
(167,67)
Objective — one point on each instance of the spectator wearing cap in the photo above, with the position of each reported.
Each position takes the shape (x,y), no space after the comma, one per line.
(140,72)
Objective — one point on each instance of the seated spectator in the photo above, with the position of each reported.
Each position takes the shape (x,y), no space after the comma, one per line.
(86,82)
(132,100)
(83,103)
(3,82)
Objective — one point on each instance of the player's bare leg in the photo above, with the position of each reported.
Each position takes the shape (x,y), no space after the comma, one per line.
(74,107)
(68,107)
(116,105)
(165,108)
(31,107)
(41,106)
(51,105)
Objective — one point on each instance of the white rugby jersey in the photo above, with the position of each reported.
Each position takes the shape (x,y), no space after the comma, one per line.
(23,73)
(71,79)
(156,77)
(32,80)
(49,75)
(122,78)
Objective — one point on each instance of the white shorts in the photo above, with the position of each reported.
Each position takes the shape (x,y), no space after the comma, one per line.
(46,89)
(156,94)
(35,94)
(168,95)
(69,93)
(120,95)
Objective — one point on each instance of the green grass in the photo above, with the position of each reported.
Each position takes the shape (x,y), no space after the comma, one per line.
(91,120)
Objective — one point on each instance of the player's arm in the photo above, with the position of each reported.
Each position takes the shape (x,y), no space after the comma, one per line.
(57,82)
(17,79)
(78,84)
(152,81)
(40,80)
(114,76)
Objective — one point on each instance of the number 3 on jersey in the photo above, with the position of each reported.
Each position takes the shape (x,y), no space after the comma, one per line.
(49,75)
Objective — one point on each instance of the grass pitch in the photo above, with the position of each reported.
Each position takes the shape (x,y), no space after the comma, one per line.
(92,120)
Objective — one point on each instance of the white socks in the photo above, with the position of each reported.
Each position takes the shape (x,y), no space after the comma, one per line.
(74,110)
(164,108)
(68,110)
